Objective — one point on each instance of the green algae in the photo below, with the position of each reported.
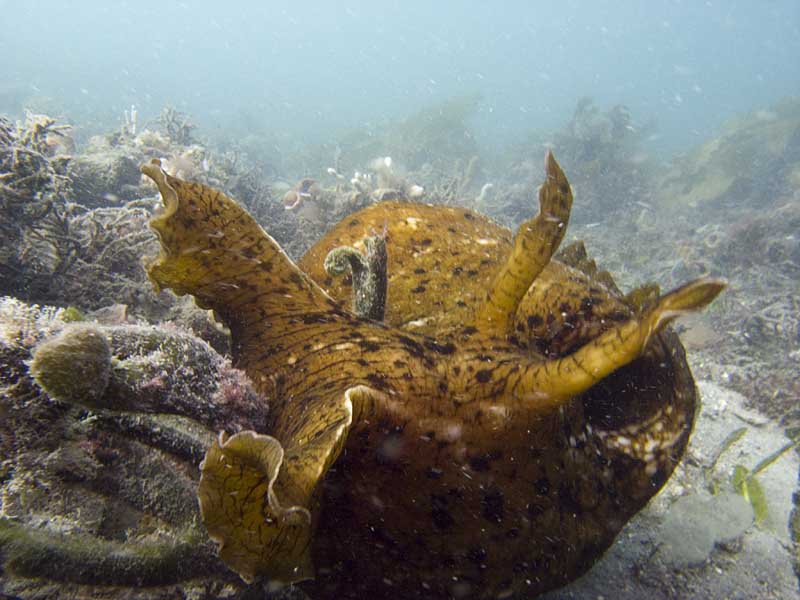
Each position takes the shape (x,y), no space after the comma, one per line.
(743,480)
(73,315)
(74,366)
(79,558)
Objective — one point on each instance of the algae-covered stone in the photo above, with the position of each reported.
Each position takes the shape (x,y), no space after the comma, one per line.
(753,157)
(696,523)
(75,366)
(99,503)
(104,176)
(87,559)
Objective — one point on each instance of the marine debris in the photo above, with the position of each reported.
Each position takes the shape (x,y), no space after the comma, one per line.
(306,191)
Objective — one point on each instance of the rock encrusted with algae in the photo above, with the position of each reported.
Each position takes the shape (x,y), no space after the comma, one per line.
(56,250)
(75,366)
(101,433)
(32,183)
(753,162)
(158,370)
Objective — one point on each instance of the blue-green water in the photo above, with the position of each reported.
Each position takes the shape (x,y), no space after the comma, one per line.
(314,69)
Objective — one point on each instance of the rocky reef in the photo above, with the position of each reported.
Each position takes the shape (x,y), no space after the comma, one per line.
(102,429)
(32,184)
(66,245)
(605,149)
(754,161)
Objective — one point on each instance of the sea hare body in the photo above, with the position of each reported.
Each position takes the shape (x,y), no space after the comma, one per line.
(491,436)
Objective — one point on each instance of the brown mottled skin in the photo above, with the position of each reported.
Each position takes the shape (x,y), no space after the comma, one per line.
(490,437)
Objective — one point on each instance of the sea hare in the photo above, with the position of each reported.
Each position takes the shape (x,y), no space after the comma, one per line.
(490,436)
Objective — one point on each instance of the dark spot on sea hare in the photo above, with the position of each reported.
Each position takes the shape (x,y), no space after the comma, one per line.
(483,376)
(534,321)
(587,303)
(567,502)
(542,486)
(535,510)
(447,348)
(493,505)
(369,346)
(411,345)
(440,515)
(482,462)
(377,381)
(477,555)
(479,463)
